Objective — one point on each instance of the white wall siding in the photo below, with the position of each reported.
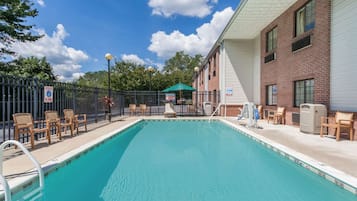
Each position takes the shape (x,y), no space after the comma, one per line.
(343,73)
(256,71)
(239,70)
(222,72)
(205,75)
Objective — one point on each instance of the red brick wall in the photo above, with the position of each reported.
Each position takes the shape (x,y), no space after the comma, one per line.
(213,84)
(311,62)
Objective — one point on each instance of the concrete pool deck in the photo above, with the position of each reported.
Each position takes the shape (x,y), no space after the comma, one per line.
(340,155)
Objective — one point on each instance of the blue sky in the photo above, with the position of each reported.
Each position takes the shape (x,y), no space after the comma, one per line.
(77,34)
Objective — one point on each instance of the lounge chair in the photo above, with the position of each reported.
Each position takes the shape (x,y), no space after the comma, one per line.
(342,120)
(24,124)
(143,109)
(77,119)
(169,110)
(278,116)
(132,109)
(53,120)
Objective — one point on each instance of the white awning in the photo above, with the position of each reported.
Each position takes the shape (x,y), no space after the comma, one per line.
(252,16)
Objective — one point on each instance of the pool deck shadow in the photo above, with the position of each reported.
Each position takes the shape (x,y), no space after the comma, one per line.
(341,155)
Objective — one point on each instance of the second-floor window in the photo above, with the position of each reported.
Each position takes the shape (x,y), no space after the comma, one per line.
(305,18)
(272,39)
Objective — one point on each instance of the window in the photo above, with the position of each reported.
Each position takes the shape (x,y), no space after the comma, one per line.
(304,92)
(305,18)
(215,64)
(209,69)
(272,37)
(271,95)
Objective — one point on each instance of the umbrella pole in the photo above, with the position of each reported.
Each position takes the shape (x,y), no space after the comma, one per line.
(181,102)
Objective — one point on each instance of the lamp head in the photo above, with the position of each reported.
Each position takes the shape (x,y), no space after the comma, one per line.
(108,56)
(151,69)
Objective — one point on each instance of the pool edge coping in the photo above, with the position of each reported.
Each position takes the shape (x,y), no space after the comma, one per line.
(338,177)
(19,183)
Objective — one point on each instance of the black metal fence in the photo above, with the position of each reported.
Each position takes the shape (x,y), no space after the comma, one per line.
(27,95)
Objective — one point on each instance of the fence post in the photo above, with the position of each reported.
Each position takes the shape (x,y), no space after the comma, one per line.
(96,91)
(35,99)
(74,98)
(3,107)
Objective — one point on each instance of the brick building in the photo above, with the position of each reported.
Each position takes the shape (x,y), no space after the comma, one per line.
(284,53)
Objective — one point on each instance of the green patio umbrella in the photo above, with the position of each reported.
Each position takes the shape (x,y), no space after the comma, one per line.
(179,87)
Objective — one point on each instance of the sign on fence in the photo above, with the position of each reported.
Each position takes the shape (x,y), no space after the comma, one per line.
(170,97)
(48,95)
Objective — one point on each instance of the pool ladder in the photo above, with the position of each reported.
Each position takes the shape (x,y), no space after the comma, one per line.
(5,184)
(213,113)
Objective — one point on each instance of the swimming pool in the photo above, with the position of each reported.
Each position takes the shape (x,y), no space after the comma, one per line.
(186,160)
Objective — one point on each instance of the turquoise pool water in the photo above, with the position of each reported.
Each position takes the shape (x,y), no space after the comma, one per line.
(184,161)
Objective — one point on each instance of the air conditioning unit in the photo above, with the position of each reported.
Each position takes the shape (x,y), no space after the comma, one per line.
(310,117)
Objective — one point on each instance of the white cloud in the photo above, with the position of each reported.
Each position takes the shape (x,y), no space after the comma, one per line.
(64,60)
(133,58)
(166,45)
(41,2)
(192,8)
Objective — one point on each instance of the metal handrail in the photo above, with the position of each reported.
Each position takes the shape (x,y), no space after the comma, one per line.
(219,105)
(6,188)
(37,165)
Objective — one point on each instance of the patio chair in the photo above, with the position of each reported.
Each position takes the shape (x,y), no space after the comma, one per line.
(169,110)
(143,109)
(341,120)
(53,120)
(278,116)
(24,124)
(75,119)
(132,109)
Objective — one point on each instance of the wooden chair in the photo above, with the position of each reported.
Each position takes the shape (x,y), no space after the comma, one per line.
(342,120)
(23,124)
(143,109)
(132,109)
(53,120)
(76,120)
(278,116)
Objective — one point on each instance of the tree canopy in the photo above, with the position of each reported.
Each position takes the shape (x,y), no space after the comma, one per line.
(128,76)
(13,27)
(30,67)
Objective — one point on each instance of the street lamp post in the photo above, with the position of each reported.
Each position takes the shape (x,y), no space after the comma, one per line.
(196,69)
(151,70)
(109,57)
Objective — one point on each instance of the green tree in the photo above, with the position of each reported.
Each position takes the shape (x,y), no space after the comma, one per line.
(30,67)
(13,27)
(180,67)
(94,79)
(127,76)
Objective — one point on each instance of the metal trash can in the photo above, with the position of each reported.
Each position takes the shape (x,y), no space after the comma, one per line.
(207,108)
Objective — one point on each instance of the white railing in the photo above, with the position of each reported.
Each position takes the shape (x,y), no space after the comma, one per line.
(217,108)
(6,188)
(36,163)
